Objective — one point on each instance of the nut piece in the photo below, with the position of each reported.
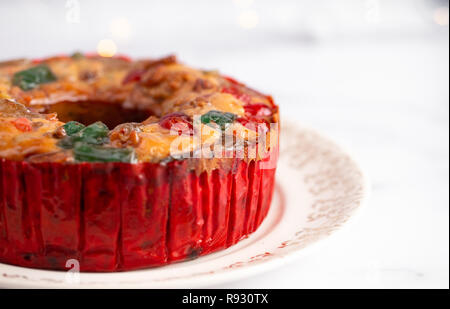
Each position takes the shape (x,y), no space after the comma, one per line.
(125,135)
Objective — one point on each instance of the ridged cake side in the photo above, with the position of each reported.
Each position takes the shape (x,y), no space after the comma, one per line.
(119,216)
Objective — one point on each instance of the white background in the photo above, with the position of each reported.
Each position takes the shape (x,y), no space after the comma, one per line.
(372,74)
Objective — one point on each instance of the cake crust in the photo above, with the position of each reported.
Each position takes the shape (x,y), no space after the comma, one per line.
(140,102)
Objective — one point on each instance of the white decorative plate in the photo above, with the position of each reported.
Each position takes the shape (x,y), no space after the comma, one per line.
(319,187)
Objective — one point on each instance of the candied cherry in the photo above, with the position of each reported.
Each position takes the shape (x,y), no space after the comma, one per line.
(238,94)
(177,121)
(22,124)
(133,76)
(253,123)
(258,109)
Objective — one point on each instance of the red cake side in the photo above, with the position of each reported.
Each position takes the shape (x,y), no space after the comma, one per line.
(119,216)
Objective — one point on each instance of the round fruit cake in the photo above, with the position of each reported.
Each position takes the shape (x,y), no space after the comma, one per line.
(123,164)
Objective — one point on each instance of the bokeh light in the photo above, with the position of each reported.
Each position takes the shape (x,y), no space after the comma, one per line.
(248,19)
(120,28)
(106,48)
(441,16)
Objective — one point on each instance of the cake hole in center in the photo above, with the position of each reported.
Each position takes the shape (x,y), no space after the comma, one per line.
(88,112)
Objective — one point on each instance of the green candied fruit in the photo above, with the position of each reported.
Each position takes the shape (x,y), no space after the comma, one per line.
(77,56)
(220,118)
(33,77)
(90,153)
(66,143)
(73,127)
(94,134)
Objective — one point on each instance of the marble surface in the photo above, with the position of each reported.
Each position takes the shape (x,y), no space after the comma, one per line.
(372,75)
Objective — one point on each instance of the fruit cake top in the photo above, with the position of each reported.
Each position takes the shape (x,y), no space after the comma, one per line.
(94,109)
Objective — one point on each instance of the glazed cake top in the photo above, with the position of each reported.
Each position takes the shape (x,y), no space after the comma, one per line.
(94,109)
